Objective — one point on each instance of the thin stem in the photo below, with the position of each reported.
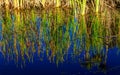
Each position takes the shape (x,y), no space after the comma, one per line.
(97,5)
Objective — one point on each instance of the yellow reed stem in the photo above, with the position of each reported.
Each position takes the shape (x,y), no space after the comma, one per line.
(57,3)
(21,3)
(83,6)
(16,4)
(97,6)
(43,2)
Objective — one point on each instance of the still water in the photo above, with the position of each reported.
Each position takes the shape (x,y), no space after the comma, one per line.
(59,42)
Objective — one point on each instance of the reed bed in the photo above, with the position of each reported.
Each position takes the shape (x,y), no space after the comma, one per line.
(57,32)
(83,5)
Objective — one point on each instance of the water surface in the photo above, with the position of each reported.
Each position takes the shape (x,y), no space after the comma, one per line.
(59,42)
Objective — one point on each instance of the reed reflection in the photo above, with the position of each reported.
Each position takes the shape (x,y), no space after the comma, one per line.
(57,35)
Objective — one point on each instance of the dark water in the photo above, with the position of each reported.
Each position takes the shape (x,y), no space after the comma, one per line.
(66,68)
(58,43)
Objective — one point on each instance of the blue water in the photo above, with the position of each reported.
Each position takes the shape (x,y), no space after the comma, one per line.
(44,67)
(68,67)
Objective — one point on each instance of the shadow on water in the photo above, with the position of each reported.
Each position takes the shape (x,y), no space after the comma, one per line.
(58,42)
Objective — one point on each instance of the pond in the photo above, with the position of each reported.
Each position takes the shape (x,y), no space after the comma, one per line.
(59,42)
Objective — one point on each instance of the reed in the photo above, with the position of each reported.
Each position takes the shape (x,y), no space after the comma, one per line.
(118,31)
(43,2)
(72,3)
(82,4)
(16,4)
(97,4)
(58,3)
(21,4)
(97,32)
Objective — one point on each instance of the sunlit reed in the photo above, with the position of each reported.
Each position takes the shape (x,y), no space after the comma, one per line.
(97,6)
(82,6)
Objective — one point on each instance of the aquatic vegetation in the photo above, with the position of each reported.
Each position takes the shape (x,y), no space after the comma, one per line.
(118,30)
(57,32)
(97,5)
(97,31)
(83,6)
(57,3)
(16,4)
